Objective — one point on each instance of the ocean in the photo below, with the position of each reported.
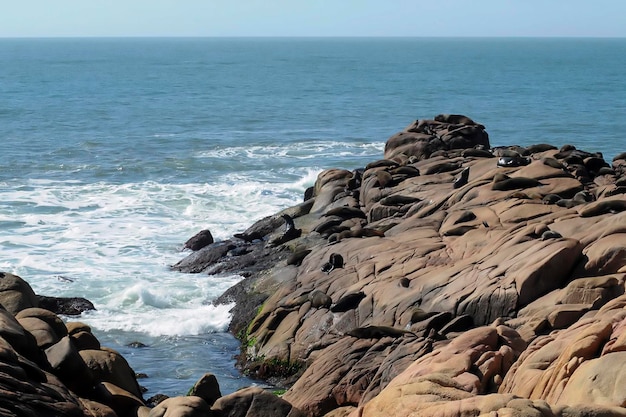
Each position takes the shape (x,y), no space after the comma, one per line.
(113,152)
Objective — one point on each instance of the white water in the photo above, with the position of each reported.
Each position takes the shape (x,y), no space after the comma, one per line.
(113,243)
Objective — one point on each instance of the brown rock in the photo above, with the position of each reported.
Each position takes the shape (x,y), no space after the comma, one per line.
(565,315)
(21,340)
(594,290)
(207,388)
(551,363)
(69,367)
(605,374)
(254,401)
(465,256)
(607,255)
(189,406)
(54,321)
(341,411)
(323,386)
(15,293)
(44,333)
(97,409)
(77,326)
(110,366)
(121,401)
(85,341)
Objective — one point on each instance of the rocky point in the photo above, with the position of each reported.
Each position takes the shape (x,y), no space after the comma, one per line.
(449,277)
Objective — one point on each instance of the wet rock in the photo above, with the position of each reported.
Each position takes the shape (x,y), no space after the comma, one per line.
(67,306)
(199,240)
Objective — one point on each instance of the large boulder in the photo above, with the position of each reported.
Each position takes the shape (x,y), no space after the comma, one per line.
(580,364)
(189,406)
(256,402)
(108,365)
(15,293)
(448,132)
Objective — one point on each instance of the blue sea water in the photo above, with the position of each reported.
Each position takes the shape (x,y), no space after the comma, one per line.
(114,151)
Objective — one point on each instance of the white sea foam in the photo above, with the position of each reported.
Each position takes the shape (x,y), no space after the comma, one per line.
(113,243)
(297,150)
(159,321)
(307,180)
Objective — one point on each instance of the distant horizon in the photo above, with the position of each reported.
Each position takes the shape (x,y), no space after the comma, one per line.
(321,18)
(305,37)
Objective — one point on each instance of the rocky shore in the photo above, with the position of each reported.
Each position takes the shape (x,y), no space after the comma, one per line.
(447,278)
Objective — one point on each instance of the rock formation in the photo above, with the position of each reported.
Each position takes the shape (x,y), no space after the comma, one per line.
(448,278)
(473,281)
(52,368)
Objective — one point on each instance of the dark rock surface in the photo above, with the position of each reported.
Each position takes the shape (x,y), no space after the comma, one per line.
(200,240)
(67,306)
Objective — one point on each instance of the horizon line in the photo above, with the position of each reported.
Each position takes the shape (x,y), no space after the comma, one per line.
(313,37)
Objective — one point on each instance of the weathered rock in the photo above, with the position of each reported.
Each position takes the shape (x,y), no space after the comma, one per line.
(534,240)
(207,388)
(189,406)
(44,333)
(21,340)
(97,409)
(121,401)
(69,367)
(426,137)
(254,401)
(43,373)
(85,341)
(56,324)
(413,259)
(109,366)
(15,293)
(351,369)
(562,367)
(202,258)
(199,240)
(68,306)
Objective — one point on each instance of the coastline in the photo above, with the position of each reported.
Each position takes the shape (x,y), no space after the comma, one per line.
(426,260)
(447,277)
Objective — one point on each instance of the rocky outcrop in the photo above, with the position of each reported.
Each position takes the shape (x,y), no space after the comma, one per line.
(52,368)
(17,295)
(448,278)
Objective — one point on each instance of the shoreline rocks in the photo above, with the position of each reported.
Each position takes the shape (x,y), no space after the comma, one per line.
(447,278)
(52,368)
(459,264)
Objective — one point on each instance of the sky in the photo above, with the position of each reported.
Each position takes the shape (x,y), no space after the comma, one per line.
(217,18)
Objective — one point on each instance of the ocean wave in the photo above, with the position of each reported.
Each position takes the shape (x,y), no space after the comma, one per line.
(114,243)
(131,303)
(295,150)
(170,322)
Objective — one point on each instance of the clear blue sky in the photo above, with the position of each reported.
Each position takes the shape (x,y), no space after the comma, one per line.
(48,18)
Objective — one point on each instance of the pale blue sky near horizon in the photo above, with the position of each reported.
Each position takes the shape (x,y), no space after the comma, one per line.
(412,18)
